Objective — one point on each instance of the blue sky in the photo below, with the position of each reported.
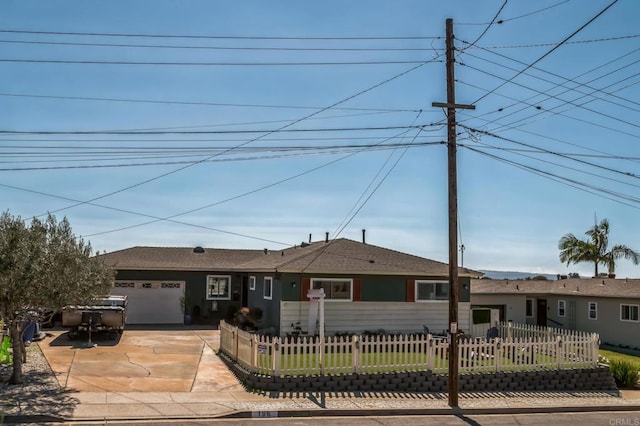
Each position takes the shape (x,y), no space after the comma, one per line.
(268,150)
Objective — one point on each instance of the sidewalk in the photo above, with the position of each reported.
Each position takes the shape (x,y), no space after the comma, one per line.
(216,392)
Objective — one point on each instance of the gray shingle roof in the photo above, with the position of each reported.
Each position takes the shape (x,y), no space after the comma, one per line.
(178,258)
(602,287)
(337,256)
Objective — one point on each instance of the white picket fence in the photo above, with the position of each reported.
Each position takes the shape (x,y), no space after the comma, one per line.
(510,330)
(304,356)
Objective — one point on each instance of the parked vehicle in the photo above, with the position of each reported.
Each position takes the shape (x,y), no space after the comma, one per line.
(106,314)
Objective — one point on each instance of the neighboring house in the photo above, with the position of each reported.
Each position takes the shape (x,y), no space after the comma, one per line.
(606,306)
(367,287)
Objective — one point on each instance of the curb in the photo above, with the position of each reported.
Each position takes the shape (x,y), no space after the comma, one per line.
(384,412)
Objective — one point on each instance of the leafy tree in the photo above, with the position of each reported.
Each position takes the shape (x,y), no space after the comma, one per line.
(594,249)
(43,267)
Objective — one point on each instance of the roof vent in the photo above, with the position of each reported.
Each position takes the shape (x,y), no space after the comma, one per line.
(266,251)
(198,250)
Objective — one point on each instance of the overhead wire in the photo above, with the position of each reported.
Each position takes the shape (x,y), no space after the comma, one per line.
(348,98)
(544,9)
(217,104)
(586,41)
(204,64)
(270,185)
(550,51)
(241,48)
(473,43)
(345,221)
(218,37)
(565,181)
(570,117)
(511,140)
(568,80)
(208,160)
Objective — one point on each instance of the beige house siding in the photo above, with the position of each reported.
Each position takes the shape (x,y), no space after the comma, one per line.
(608,324)
(371,316)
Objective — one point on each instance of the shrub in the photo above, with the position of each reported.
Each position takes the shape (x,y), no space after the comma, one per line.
(625,373)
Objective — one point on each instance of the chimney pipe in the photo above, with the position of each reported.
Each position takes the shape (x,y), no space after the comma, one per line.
(364,241)
(309,238)
(326,237)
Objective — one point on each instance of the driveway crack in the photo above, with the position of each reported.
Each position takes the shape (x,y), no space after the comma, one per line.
(138,365)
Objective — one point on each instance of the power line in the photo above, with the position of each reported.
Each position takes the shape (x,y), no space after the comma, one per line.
(207,160)
(208,64)
(583,26)
(565,181)
(569,80)
(219,37)
(524,46)
(518,17)
(242,48)
(238,196)
(488,25)
(493,135)
(151,101)
(611,117)
(375,86)
(200,132)
(563,166)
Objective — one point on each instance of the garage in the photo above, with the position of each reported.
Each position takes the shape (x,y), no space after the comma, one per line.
(152,302)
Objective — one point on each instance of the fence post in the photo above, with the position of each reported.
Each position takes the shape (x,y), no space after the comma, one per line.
(275,350)
(497,347)
(355,353)
(252,357)
(234,342)
(509,326)
(430,350)
(559,352)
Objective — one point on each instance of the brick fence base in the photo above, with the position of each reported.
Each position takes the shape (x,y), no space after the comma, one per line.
(580,379)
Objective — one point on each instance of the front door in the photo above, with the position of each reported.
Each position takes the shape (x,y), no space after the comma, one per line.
(541,319)
(245,290)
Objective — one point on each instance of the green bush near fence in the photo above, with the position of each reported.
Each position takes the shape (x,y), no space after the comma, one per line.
(625,373)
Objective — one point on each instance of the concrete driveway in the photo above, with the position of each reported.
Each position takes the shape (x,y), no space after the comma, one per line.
(140,361)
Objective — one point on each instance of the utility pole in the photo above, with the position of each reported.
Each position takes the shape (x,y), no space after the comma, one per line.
(454,285)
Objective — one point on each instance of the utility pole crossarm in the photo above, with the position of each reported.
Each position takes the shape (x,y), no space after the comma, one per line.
(455,106)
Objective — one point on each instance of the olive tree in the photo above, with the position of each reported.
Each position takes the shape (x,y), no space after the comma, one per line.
(43,267)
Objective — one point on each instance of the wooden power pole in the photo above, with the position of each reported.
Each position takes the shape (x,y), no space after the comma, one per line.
(454,285)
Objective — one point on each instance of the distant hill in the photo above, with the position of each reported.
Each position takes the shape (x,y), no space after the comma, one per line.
(513,275)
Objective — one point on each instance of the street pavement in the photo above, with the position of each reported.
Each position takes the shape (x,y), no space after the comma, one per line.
(176,374)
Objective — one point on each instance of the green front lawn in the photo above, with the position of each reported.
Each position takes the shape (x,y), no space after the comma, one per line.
(611,356)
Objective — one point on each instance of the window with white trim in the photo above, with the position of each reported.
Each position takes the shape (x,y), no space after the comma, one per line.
(252,283)
(334,288)
(427,291)
(529,308)
(629,313)
(218,287)
(593,310)
(562,308)
(268,288)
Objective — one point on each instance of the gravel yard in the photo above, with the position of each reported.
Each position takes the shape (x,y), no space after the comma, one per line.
(40,388)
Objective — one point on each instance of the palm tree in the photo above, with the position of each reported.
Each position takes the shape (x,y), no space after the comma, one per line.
(594,249)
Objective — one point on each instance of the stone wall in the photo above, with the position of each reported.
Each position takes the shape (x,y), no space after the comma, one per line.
(597,378)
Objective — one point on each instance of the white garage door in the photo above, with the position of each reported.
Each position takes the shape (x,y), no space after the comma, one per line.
(152,302)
